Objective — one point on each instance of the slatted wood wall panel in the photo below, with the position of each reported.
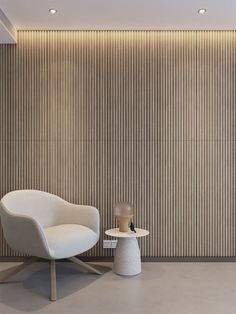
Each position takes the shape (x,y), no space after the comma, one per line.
(146,117)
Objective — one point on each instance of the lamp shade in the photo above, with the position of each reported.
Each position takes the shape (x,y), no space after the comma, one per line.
(123,209)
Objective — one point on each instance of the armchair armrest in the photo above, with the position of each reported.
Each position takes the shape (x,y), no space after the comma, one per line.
(28,236)
(84,215)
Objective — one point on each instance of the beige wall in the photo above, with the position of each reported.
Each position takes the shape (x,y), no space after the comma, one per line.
(145,117)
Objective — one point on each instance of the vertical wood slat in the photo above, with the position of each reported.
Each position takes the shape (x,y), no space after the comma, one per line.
(148,117)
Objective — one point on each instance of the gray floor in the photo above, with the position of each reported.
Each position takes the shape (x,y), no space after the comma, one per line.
(163,288)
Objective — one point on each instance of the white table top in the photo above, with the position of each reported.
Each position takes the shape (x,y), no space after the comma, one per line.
(116,233)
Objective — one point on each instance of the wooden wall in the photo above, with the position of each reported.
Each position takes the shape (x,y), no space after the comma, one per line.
(146,117)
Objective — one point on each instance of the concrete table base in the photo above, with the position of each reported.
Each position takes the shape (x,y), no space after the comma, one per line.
(127,260)
(127,257)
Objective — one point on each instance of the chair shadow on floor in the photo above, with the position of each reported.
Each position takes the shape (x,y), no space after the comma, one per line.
(29,290)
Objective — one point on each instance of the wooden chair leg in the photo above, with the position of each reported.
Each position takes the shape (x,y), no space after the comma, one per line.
(13,271)
(86,266)
(53,296)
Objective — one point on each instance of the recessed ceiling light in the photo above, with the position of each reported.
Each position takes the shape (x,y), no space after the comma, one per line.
(202,11)
(52,11)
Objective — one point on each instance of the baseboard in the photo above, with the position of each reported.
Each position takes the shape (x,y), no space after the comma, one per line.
(176,259)
(191,259)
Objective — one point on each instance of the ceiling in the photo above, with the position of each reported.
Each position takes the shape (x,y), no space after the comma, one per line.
(8,33)
(120,14)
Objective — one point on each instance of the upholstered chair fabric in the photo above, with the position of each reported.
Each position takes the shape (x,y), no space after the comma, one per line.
(44,225)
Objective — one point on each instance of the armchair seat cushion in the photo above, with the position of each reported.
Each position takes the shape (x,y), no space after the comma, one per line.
(68,240)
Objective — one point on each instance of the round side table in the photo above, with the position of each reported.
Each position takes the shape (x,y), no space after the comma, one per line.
(127,261)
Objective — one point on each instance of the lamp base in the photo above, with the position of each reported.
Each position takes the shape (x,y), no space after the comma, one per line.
(123,223)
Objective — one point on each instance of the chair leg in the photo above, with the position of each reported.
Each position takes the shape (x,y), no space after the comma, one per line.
(13,271)
(53,284)
(88,267)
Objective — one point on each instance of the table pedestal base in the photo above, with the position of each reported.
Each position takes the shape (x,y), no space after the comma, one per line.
(127,260)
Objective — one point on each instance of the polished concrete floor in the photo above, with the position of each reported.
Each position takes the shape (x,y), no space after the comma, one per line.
(162,288)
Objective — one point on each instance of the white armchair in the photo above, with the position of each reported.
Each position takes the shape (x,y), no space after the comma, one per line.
(45,226)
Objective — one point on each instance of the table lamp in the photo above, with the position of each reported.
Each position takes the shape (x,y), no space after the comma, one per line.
(124,212)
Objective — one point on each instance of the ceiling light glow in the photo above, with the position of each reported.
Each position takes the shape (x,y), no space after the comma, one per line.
(52,11)
(202,11)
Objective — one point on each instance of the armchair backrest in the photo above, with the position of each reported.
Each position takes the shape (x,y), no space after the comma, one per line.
(45,208)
